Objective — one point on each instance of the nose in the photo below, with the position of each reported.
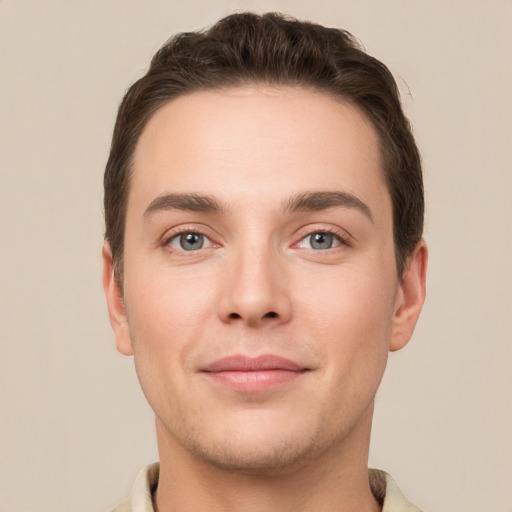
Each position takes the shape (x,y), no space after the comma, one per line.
(255,290)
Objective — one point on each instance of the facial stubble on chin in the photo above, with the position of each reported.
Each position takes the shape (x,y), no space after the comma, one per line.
(284,456)
(264,460)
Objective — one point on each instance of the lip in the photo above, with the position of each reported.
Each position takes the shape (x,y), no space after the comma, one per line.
(253,374)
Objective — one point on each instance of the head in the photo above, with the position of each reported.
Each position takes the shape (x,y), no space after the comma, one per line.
(247,49)
(263,252)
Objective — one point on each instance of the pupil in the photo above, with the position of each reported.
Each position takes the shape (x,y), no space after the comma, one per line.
(191,241)
(321,241)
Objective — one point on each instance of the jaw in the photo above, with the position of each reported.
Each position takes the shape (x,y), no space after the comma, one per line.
(292,483)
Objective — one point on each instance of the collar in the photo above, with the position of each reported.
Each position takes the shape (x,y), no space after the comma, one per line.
(382,485)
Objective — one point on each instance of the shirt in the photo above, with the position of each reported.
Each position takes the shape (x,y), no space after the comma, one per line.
(382,485)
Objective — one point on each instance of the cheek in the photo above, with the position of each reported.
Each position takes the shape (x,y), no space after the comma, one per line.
(167,315)
(351,318)
(166,319)
(351,298)
(168,303)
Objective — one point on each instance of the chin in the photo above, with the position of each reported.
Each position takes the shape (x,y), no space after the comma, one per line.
(263,440)
(262,447)
(249,458)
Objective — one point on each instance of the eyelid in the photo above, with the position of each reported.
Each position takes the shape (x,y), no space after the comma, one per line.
(343,236)
(207,243)
(183,229)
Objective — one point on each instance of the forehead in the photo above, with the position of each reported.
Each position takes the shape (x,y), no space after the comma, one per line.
(256,140)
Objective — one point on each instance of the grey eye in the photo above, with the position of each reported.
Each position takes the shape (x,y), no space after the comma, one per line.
(321,241)
(188,241)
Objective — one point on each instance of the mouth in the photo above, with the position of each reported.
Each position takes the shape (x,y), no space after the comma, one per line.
(251,375)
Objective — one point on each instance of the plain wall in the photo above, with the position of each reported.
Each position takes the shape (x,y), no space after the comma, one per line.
(75,428)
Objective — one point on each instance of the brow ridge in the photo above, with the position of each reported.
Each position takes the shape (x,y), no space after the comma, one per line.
(316,201)
(188,202)
(305,201)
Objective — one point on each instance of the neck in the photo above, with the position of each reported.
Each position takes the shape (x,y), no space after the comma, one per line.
(336,480)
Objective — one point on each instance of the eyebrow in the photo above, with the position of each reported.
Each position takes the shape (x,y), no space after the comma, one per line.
(316,201)
(306,201)
(188,202)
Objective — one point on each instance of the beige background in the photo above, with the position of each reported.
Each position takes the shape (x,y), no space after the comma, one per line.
(74,426)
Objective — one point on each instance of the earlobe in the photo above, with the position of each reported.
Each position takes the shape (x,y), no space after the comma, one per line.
(115,304)
(410,297)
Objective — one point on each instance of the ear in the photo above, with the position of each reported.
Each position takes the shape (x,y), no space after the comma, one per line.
(115,304)
(410,298)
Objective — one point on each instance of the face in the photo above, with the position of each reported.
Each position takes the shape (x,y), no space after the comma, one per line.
(260,288)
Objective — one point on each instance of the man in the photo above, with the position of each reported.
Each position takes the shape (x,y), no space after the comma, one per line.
(263,254)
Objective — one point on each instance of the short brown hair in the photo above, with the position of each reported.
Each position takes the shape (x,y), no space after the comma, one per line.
(273,49)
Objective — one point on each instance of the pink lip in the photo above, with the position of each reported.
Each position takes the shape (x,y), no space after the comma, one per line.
(247,374)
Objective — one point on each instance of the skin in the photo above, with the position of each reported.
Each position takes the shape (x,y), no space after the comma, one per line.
(258,286)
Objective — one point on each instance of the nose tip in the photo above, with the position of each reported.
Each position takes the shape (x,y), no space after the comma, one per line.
(257,294)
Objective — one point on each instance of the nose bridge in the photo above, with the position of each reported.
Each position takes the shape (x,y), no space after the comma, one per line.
(255,291)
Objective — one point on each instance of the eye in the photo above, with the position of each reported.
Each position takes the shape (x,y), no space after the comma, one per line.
(320,241)
(189,241)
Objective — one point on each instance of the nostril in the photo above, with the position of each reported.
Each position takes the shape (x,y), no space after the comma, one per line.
(270,314)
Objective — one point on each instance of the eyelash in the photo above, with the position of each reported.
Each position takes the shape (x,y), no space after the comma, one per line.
(339,235)
(167,241)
